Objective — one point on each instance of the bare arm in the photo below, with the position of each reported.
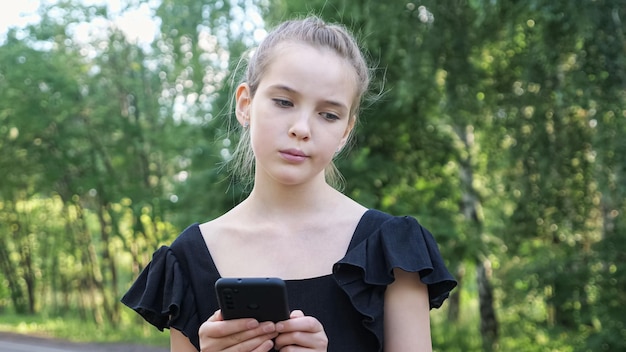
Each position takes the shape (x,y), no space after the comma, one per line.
(179,342)
(407,314)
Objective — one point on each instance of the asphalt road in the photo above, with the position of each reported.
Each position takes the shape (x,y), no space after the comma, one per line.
(10,342)
(26,347)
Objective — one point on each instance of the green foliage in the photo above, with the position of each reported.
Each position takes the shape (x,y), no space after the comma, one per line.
(500,127)
(74,328)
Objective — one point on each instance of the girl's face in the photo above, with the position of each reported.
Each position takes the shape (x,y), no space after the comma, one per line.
(300,114)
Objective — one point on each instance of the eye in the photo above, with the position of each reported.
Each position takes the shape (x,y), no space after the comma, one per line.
(282,103)
(329,116)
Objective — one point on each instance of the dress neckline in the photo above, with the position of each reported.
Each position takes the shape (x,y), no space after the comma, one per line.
(213,266)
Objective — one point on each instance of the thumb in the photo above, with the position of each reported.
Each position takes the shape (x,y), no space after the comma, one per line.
(217,316)
(296,314)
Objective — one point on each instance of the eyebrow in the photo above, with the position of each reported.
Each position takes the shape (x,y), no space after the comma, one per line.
(293,91)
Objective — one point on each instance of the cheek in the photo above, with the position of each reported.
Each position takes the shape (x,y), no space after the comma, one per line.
(344,131)
(262,137)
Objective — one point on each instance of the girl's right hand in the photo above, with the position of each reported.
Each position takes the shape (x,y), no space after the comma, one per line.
(237,335)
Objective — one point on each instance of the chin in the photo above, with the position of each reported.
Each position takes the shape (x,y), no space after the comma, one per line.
(287,179)
(290,181)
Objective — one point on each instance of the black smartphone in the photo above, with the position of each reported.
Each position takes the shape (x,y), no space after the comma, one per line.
(261,298)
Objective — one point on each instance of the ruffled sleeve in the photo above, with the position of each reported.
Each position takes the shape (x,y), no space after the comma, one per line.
(176,290)
(161,295)
(383,242)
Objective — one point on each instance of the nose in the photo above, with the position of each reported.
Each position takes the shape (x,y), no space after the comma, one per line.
(300,128)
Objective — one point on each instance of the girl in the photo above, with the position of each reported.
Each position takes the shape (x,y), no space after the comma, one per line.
(358,279)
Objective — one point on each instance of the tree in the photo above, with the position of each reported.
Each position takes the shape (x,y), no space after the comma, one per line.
(499,125)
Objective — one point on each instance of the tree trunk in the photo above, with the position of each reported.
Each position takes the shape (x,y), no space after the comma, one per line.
(454,302)
(470,208)
(15,290)
(28,274)
(488,321)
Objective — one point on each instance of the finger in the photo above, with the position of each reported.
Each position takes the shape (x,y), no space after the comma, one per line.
(266,346)
(215,328)
(214,336)
(302,331)
(299,323)
(261,343)
(315,341)
(265,331)
(296,314)
(217,316)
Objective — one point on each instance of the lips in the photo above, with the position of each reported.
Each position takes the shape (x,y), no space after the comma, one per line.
(293,155)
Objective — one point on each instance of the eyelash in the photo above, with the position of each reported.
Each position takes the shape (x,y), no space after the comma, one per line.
(329,116)
(282,103)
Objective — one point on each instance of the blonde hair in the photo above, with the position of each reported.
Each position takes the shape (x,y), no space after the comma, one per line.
(315,32)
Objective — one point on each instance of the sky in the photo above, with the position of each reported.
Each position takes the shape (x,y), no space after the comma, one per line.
(17,13)
(136,23)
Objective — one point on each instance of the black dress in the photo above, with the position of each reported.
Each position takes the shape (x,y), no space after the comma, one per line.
(176,288)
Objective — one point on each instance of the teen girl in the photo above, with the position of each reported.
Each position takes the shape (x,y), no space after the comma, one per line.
(358,279)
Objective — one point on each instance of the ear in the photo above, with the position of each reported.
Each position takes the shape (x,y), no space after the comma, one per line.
(242,104)
(346,134)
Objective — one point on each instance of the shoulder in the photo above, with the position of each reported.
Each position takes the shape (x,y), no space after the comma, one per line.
(227,223)
(189,238)
(399,219)
(377,222)
(399,238)
(379,233)
(383,242)
(189,248)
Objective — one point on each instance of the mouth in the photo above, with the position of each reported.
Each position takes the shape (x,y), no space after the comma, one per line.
(294,152)
(294,155)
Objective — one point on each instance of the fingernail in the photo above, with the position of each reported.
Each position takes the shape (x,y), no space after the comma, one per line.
(280,327)
(252,324)
(269,328)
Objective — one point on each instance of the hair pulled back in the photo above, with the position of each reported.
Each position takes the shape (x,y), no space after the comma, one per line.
(317,33)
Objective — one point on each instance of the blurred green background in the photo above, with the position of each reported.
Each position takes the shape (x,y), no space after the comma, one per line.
(500,125)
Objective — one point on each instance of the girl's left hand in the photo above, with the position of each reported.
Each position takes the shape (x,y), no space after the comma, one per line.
(300,333)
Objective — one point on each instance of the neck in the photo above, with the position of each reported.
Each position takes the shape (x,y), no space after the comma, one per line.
(270,199)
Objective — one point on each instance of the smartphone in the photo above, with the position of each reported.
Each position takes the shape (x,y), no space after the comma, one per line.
(261,298)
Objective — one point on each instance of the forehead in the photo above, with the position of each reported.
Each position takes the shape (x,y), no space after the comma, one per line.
(311,68)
